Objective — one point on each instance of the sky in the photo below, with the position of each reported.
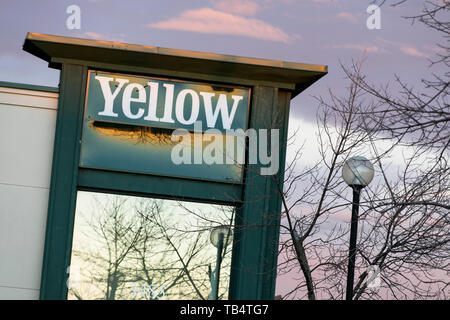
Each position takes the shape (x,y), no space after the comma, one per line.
(325,32)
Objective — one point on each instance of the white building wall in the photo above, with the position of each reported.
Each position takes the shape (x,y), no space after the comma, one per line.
(27,128)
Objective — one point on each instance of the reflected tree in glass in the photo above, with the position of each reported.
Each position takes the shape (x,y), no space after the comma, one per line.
(140,248)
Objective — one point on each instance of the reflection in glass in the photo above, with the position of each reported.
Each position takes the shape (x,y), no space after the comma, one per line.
(139,248)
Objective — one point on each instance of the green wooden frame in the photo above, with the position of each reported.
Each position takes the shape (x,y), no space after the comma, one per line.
(255,245)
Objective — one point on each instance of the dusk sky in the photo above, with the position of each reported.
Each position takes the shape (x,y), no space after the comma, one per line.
(325,32)
(307,31)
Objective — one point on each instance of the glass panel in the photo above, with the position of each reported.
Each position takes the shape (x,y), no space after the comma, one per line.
(136,248)
(140,149)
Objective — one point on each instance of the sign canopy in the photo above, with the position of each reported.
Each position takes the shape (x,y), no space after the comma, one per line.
(291,76)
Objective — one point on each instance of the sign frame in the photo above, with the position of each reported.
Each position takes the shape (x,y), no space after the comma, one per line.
(273,83)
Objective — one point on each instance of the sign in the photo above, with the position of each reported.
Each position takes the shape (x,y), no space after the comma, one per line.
(129,123)
(162,103)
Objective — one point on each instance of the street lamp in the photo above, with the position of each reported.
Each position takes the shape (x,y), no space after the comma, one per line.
(357,172)
(217,237)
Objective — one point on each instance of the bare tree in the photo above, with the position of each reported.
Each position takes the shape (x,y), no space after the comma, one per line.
(312,196)
(404,223)
(411,117)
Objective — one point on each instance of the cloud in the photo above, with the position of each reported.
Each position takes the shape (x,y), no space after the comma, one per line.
(435,49)
(104,37)
(207,20)
(93,35)
(411,51)
(359,47)
(347,16)
(405,48)
(383,46)
(240,7)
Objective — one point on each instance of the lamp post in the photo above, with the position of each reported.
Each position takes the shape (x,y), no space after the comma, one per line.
(357,172)
(217,237)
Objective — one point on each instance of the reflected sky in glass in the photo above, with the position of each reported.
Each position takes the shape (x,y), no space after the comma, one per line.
(133,248)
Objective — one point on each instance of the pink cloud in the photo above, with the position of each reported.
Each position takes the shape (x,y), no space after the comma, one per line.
(207,20)
(435,49)
(93,35)
(240,7)
(98,36)
(411,51)
(347,16)
(358,47)
(407,48)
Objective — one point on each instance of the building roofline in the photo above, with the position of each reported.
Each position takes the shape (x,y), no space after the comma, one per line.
(26,86)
